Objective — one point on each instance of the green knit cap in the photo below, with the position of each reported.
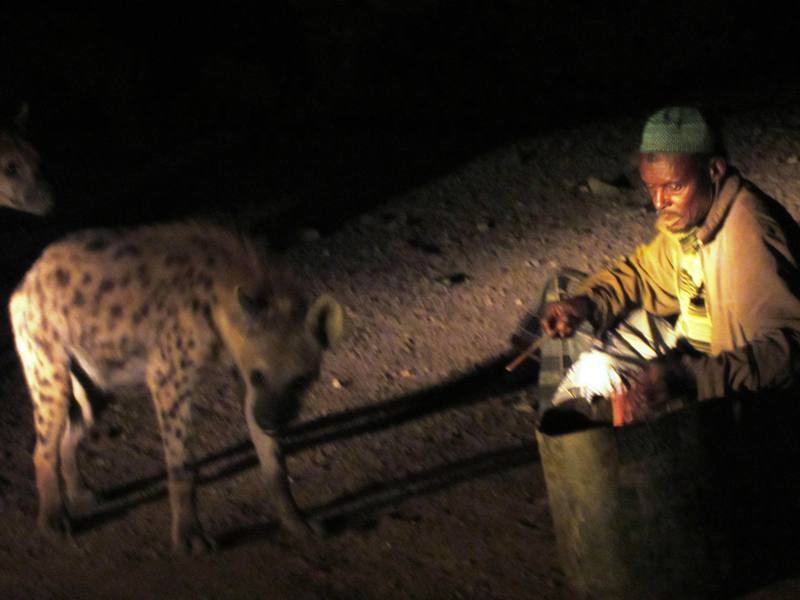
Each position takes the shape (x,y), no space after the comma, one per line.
(679,129)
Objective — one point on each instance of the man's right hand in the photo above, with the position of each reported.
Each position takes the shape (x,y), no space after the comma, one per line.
(561,319)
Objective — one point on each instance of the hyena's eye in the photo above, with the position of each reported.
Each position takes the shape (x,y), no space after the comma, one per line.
(11,169)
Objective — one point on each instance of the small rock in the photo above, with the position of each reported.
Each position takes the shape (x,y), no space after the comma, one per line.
(534,263)
(598,187)
(452,279)
(791,160)
(524,407)
(336,383)
(308,234)
(518,301)
(485,225)
(406,373)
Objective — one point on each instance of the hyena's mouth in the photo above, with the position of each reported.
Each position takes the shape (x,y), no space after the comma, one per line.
(272,410)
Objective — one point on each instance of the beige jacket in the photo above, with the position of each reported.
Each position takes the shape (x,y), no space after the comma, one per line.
(750,255)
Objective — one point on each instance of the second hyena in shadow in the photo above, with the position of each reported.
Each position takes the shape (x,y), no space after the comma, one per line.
(22,185)
(155,305)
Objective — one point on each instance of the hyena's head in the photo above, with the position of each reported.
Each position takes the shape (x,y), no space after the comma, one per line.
(22,186)
(277,342)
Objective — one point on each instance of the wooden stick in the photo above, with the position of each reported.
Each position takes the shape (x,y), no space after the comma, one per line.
(527,353)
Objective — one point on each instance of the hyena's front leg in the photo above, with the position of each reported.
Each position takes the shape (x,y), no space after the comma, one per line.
(47,374)
(273,468)
(171,377)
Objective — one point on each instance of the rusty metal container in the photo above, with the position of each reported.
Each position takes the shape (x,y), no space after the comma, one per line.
(643,511)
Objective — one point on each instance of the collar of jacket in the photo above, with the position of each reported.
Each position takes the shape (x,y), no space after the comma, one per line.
(720,205)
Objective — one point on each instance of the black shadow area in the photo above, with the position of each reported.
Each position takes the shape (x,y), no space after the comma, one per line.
(486,381)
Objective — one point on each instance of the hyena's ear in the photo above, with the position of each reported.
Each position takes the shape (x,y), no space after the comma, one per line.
(325,320)
(251,305)
(21,119)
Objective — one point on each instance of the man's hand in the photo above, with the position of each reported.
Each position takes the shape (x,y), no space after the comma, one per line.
(561,319)
(661,381)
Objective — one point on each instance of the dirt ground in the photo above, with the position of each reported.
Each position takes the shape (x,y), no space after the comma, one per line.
(413,447)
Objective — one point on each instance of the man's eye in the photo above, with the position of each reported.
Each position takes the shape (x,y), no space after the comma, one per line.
(675,187)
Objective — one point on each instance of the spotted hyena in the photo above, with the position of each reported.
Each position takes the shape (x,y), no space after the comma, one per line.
(157,305)
(22,186)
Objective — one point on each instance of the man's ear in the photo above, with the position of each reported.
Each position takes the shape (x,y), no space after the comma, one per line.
(717,167)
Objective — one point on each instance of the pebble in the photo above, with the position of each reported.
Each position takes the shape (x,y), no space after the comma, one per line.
(598,187)
(792,159)
(308,234)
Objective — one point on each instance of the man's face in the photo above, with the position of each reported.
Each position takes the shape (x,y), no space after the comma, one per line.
(679,187)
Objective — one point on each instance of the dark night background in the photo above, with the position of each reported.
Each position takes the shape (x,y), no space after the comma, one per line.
(144,112)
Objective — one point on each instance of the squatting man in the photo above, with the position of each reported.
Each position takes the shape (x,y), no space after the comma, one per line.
(719,284)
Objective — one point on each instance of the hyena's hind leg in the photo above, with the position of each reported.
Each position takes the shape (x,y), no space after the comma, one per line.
(80,418)
(46,369)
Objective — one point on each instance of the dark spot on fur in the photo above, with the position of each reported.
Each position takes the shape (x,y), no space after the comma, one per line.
(116,311)
(211,260)
(97,244)
(62,277)
(125,281)
(45,399)
(143,275)
(127,250)
(105,286)
(176,259)
(78,298)
(141,313)
(86,279)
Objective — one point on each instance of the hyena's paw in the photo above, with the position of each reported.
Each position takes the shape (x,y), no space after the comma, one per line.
(55,525)
(193,543)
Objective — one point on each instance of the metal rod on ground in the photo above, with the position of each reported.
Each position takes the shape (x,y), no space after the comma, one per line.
(528,353)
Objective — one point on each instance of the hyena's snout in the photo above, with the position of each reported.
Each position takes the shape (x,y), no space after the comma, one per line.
(274,406)
(38,199)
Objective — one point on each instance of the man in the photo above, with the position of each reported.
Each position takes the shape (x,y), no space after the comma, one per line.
(724,262)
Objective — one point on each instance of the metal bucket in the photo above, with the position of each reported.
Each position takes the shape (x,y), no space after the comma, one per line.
(643,511)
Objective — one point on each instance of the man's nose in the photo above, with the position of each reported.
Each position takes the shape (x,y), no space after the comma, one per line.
(659,199)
